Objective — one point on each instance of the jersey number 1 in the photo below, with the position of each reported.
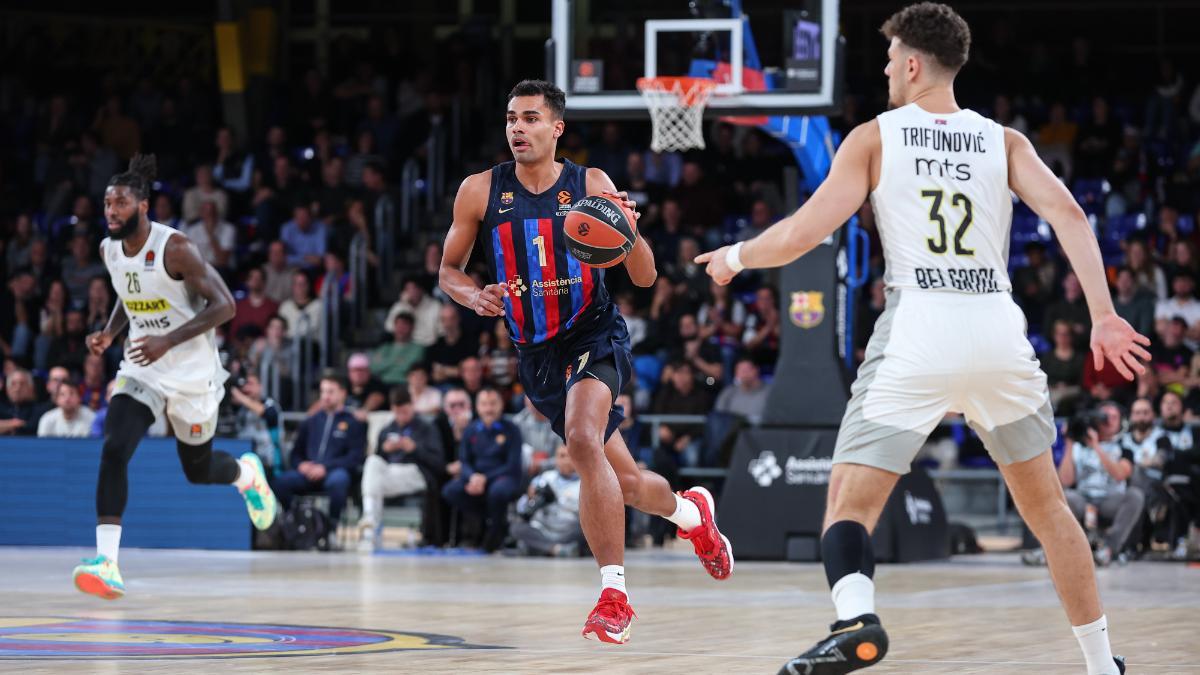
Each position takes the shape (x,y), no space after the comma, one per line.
(540,243)
(939,245)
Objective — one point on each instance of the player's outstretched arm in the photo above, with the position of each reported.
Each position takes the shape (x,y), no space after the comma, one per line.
(640,261)
(183,261)
(469,205)
(1037,186)
(837,199)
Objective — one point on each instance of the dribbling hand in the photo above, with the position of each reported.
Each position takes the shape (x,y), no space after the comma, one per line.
(628,203)
(1113,338)
(489,300)
(99,341)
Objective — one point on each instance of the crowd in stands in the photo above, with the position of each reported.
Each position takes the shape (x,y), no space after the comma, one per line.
(275,214)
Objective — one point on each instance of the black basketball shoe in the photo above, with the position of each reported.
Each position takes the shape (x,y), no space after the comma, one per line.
(1120,663)
(851,645)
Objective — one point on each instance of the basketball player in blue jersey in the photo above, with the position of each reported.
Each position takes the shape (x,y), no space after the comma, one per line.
(572,345)
(951,338)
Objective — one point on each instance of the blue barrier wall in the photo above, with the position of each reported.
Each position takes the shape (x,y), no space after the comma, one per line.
(48,497)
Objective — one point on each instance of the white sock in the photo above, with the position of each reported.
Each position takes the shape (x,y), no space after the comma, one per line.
(854,595)
(108,541)
(1093,640)
(245,475)
(613,576)
(686,515)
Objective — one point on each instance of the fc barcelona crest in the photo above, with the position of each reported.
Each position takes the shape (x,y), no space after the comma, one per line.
(506,198)
(807,308)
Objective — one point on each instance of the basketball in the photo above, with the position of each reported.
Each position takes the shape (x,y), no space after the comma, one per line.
(600,232)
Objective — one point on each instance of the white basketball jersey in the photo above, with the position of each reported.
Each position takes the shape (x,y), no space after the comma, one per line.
(943,207)
(156,304)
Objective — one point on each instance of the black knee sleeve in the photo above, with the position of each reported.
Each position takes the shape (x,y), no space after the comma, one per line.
(202,465)
(846,549)
(126,423)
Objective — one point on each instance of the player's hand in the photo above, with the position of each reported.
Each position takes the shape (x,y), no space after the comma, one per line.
(147,350)
(716,266)
(489,300)
(628,203)
(1113,338)
(99,341)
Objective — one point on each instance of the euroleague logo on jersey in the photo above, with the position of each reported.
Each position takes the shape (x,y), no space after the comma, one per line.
(149,262)
(564,202)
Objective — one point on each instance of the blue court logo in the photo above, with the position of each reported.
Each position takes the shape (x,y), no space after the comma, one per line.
(78,638)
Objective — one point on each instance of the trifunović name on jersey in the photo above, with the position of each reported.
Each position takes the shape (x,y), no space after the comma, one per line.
(940,140)
(965,280)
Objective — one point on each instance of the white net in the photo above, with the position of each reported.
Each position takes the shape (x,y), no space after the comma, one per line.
(676,107)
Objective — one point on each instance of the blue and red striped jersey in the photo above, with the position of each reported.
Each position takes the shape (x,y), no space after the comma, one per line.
(549,289)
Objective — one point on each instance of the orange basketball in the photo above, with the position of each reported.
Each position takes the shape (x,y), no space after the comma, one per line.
(600,232)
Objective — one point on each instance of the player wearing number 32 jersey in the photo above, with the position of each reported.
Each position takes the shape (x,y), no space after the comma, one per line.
(951,339)
(573,351)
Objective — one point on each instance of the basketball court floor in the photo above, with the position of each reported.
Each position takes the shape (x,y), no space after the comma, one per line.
(205,612)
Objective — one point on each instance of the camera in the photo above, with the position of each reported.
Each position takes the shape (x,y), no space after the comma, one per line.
(1077,428)
(541,498)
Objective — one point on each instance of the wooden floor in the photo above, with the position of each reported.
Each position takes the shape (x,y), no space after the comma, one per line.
(979,614)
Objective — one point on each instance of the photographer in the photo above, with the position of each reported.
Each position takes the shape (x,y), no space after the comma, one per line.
(1097,469)
(547,518)
(258,420)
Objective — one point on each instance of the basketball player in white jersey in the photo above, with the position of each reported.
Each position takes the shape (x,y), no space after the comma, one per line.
(172,300)
(951,338)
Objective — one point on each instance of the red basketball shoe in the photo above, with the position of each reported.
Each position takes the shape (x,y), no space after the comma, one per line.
(712,547)
(610,620)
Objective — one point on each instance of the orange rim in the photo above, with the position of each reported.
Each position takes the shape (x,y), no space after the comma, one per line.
(691,90)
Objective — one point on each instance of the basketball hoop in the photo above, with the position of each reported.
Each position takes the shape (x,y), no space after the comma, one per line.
(676,107)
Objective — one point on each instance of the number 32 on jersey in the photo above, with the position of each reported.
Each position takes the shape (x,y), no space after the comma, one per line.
(938,243)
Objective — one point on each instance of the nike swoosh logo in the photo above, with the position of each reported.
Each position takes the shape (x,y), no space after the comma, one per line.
(847,629)
(506,210)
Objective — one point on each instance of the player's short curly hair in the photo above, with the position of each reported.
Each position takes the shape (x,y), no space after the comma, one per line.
(932,28)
